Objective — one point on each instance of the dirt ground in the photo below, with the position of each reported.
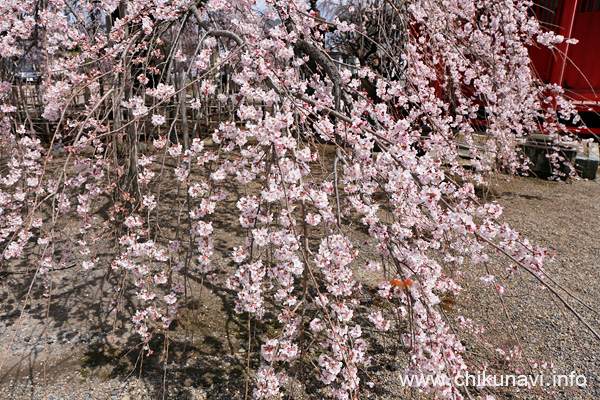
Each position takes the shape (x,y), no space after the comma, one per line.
(71,346)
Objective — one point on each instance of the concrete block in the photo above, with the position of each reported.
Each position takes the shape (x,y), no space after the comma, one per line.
(537,152)
(587,161)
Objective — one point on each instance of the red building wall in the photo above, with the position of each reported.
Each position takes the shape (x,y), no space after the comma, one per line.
(575,67)
(579,71)
(582,75)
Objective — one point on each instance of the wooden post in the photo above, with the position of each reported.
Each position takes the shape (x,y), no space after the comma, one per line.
(567,21)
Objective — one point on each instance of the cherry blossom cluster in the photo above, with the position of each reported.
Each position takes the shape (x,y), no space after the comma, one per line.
(325,180)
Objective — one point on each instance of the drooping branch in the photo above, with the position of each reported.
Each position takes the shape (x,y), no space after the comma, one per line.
(215,32)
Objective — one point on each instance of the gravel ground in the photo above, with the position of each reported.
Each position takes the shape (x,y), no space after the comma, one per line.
(86,360)
(564,218)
